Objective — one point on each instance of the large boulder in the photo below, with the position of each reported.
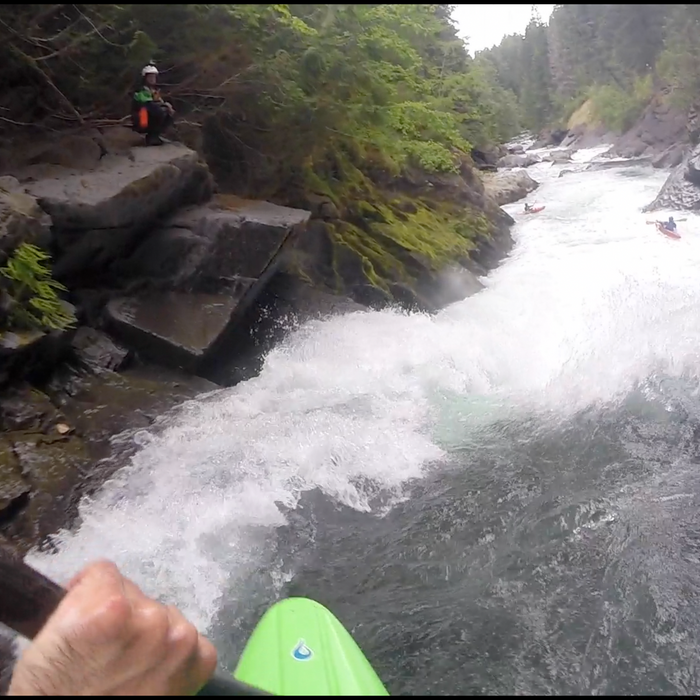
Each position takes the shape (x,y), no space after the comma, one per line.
(175,329)
(508,187)
(336,256)
(584,135)
(518,160)
(550,137)
(127,191)
(96,351)
(204,248)
(203,269)
(682,188)
(486,158)
(80,150)
(671,156)
(660,127)
(99,215)
(559,157)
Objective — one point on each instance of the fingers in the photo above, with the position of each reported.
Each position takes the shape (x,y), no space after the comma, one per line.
(102,569)
(154,633)
(190,655)
(208,658)
(107,636)
(97,601)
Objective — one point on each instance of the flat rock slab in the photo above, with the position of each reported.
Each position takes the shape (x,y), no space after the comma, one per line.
(204,247)
(122,191)
(173,328)
(619,163)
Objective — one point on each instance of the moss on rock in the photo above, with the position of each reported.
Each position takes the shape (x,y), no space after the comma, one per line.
(397,231)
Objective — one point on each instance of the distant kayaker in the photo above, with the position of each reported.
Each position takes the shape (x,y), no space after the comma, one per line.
(108,638)
(528,208)
(669,225)
(150,114)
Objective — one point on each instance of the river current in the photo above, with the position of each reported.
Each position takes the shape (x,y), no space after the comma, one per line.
(500,498)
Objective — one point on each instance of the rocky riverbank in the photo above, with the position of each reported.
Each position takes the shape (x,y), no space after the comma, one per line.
(179,289)
(664,136)
(660,133)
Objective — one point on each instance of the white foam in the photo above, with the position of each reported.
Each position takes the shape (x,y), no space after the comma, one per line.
(591,301)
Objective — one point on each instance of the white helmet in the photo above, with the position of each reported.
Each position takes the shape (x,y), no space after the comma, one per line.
(149,69)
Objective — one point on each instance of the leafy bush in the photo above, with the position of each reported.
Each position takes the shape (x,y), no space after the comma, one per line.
(617,108)
(36,305)
(389,79)
(564,106)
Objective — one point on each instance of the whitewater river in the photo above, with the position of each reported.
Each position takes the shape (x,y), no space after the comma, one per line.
(501,498)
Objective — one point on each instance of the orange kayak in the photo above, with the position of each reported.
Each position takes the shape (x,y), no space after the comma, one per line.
(535,210)
(666,232)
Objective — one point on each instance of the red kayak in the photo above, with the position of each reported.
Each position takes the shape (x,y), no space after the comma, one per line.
(666,232)
(535,210)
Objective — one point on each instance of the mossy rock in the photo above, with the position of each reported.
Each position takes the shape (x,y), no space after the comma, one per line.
(398,240)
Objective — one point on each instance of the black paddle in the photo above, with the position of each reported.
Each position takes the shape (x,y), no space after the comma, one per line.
(28,599)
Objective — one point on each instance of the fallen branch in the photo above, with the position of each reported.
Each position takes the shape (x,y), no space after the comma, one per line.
(74,44)
(109,122)
(98,30)
(15,122)
(36,125)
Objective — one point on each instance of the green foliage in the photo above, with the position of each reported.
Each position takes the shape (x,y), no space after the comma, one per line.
(614,54)
(389,75)
(618,108)
(340,100)
(36,305)
(679,62)
(521,65)
(563,106)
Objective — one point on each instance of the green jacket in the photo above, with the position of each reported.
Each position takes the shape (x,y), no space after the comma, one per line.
(147,94)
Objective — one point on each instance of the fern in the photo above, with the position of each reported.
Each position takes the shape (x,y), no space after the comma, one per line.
(36,304)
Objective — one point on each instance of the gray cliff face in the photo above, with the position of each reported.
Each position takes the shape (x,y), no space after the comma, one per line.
(682,188)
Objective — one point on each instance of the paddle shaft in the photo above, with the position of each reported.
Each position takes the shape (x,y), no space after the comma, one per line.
(28,599)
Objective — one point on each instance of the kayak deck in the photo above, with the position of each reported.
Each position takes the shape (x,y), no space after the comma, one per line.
(300,648)
(666,232)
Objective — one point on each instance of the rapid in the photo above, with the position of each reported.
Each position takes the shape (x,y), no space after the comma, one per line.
(500,498)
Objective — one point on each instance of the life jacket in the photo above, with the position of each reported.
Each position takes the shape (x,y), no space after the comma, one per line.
(140,101)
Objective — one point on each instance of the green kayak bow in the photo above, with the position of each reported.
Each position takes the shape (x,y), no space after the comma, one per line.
(297,648)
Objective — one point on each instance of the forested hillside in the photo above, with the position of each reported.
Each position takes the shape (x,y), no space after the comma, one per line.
(616,55)
(389,84)
(354,104)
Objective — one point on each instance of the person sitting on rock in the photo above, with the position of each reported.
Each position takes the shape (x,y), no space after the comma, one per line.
(150,114)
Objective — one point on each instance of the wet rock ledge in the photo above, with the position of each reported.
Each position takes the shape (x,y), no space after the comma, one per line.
(179,289)
(164,276)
